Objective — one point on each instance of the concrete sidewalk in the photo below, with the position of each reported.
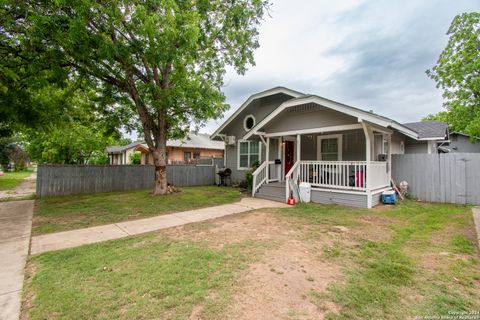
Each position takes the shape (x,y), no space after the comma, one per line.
(74,238)
(15,226)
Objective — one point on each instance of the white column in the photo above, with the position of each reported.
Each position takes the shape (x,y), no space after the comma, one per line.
(299,142)
(267,158)
(368,156)
(279,156)
(389,159)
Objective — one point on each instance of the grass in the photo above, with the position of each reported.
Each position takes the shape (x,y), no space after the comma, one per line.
(428,267)
(12,179)
(53,214)
(144,277)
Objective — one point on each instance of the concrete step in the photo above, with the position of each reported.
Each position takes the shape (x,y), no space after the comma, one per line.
(270,197)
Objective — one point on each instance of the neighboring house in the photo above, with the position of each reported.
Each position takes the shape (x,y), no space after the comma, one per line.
(197,146)
(121,154)
(342,151)
(461,142)
(433,137)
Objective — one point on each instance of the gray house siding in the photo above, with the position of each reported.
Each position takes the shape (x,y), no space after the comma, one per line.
(259,108)
(353,146)
(308,117)
(346,199)
(413,146)
(461,143)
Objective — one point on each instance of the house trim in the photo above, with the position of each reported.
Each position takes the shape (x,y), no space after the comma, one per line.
(255,96)
(315,130)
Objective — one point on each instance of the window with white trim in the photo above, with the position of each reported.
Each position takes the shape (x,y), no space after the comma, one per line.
(330,148)
(248,153)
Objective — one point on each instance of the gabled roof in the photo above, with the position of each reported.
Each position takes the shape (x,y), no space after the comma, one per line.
(429,130)
(201,141)
(198,141)
(118,149)
(255,96)
(337,106)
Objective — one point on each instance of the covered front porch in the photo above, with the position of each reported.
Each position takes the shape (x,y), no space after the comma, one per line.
(345,164)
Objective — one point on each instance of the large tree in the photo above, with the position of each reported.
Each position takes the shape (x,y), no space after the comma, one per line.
(167,56)
(457,72)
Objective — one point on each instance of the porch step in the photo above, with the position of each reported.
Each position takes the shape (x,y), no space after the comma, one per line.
(272,191)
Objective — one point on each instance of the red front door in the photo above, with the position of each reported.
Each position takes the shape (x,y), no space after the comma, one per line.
(289,155)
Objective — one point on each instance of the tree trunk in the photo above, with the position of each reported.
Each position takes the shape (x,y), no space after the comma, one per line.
(159,160)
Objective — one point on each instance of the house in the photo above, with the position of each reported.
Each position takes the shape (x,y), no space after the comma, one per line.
(342,151)
(194,146)
(461,142)
(434,137)
(121,154)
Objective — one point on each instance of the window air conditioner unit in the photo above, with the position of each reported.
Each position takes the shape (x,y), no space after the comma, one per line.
(230,140)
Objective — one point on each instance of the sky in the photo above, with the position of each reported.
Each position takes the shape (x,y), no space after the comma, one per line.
(368,54)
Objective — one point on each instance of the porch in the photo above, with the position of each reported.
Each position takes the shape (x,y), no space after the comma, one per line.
(349,167)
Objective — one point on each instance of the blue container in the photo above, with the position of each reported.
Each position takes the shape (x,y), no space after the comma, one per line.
(389,197)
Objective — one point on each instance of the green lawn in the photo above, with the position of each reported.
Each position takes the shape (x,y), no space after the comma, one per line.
(12,179)
(137,278)
(415,259)
(53,214)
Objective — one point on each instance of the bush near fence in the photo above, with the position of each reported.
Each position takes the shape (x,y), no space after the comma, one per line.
(58,180)
(445,177)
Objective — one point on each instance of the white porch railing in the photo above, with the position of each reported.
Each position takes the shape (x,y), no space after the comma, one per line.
(379,175)
(260,176)
(344,175)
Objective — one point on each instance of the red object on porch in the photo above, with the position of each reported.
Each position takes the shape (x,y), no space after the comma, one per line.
(359,179)
(291,201)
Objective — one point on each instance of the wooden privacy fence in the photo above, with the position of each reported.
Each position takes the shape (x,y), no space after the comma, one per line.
(447,177)
(59,180)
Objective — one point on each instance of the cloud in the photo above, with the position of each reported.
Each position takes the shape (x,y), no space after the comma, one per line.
(370,54)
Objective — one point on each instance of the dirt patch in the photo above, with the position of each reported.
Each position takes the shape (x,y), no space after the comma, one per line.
(279,286)
(373,227)
(29,295)
(255,226)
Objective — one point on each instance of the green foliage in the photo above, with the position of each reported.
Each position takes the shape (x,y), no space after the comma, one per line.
(162,60)
(135,158)
(249,174)
(457,72)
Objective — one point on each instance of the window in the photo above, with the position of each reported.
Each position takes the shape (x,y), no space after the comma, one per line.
(329,148)
(248,122)
(248,154)
(187,156)
(196,155)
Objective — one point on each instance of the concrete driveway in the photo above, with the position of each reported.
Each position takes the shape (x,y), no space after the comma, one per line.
(15,227)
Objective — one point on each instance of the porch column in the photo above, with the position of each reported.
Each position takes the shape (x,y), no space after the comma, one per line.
(279,156)
(368,156)
(389,159)
(267,158)
(299,142)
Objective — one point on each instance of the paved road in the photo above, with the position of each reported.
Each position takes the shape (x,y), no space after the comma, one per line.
(15,227)
(74,238)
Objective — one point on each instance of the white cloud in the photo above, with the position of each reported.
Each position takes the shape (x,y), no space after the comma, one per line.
(371,54)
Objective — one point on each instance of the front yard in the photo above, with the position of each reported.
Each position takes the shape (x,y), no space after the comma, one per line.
(305,262)
(54,214)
